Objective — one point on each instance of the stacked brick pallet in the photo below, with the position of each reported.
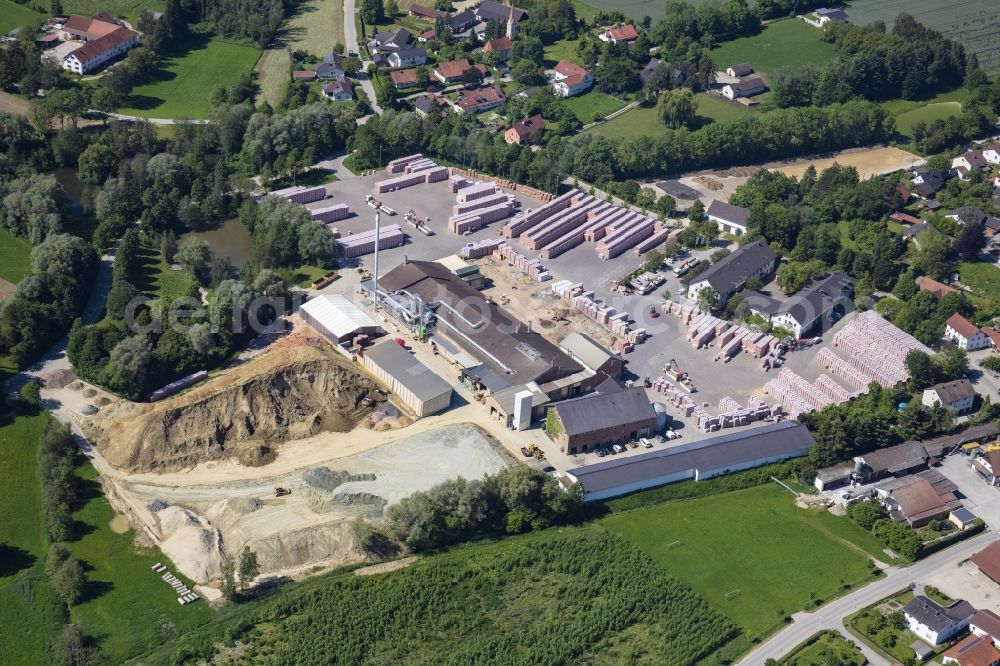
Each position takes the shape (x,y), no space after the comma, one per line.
(480,248)
(399,165)
(533,267)
(530,218)
(537,194)
(456,182)
(475,191)
(363,243)
(678,398)
(618,323)
(627,236)
(329,214)
(413,170)
(477,219)
(482,202)
(877,348)
(653,242)
(732,414)
(731,339)
(300,194)
(564,222)
(847,373)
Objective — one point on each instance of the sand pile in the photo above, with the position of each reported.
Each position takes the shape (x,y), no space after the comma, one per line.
(284,395)
(193,545)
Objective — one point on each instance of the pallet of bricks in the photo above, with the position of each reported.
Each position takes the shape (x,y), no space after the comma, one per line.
(363,243)
(414,170)
(328,214)
(626,338)
(533,267)
(877,348)
(475,213)
(300,194)
(481,248)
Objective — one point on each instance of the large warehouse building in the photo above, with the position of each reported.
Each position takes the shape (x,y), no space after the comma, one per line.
(416,384)
(727,453)
(338,319)
(612,415)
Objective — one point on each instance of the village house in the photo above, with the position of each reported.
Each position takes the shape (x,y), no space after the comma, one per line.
(936,624)
(965,334)
(407,56)
(403,78)
(748,87)
(304,75)
(967,215)
(730,274)
(986,623)
(462,22)
(500,47)
(332,67)
(570,79)
(729,218)
(972,651)
(477,101)
(987,465)
(938,289)
(822,16)
(676,75)
(425,13)
(916,501)
(392,40)
(104,39)
(453,70)
(926,182)
(339,91)
(623,34)
(959,395)
(970,160)
(817,306)
(427,35)
(524,131)
(988,561)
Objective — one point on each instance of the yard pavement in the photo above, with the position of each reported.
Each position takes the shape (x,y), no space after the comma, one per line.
(978,496)
(831,616)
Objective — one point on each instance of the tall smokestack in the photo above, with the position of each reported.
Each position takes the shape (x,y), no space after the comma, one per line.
(375,267)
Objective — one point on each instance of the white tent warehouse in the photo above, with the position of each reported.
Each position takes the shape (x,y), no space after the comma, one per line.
(337,318)
(416,384)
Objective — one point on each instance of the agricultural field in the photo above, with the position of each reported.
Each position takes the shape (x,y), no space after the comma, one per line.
(15,257)
(13,15)
(569,596)
(273,74)
(129,9)
(636,9)
(315,27)
(800,557)
(712,108)
(591,104)
(982,278)
(828,647)
(183,86)
(788,42)
(905,122)
(975,24)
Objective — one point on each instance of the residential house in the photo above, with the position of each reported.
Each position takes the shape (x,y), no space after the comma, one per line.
(339,91)
(525,131)
(986,623)
(623,34)
(972,651)
(462,21)
(934,623)
(748,87)
(425,105)
(741,70)
(730,274)
(965,334)
(822,16)
(453,70)
(500,47)
(104,40)
(508,15)
(926,181)
(904,192)
(392,40)
(676,75)
(570,79)
(992,153)
(914,230)
(958,395)
(904,218)
(987,465)
(403,78)
(477,101)
(970,160)
(427,35)
(326,70)
(407,56)
(967,215)
(729,218)
(422,12)
(938,289)
(611,415)
(817,306)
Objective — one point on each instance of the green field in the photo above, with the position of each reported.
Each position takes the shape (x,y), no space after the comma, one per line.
(789,42)
(129,9)
(982,278)
(975,24)
(13,15)
(927,114)
(183,87)
(15,257)
(584,11)
(633,8)
(644,121)
(827,648)
(562,50)
(714,108)
(592,103)
(797,555)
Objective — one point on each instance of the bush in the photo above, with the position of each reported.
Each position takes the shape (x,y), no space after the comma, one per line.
(30,394)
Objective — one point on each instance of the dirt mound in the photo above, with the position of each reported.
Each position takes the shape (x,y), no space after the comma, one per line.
(283,395)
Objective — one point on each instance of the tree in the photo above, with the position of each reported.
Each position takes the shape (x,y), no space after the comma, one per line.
(249,568)
(472,77)
(391,8)
(971,243)
(708,299)
(68,580)
(696,213)
(74,648)
(228,584)
(677,108)
(922,370)
(372,12)
(30,394)
(934,254)
(866,513)
(128,365)
(195,255)
(952,363)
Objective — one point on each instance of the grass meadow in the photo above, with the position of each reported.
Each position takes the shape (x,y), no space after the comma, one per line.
(798,556)
(789,42)
(591,104)
(982,278)
(644,121)
(15,257)
(13,15)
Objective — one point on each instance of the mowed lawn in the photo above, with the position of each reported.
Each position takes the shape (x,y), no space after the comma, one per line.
(183,87)
(562,50)
(770,558)
(591,104)
(315,27)
(788,42)
(130,9)
(15,257)
(982,278)
(13,15)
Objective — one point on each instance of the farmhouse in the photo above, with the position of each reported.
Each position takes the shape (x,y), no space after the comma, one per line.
(416,384)
(525,131)
(338,319)
(612,415)
(624,34)
(740,70)
(965,334)
(827,298)
(477,101)
(959,395)
(403,78)
(723,454)
(500,47)
(406,56)
(104,39)
(730,219)
(936,624)
(986,623)
(494,349)
(972,651)
(822,16)
(987,465)
(748,87)
(570,79)
(898,460)
(731,273)
(939,289)
(339,91)
(462,21)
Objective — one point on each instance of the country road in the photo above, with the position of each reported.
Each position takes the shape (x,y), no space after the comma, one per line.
(831,616)
(351,37)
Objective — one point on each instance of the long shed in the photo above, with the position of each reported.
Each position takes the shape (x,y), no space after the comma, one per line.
(338,319)
(416,384)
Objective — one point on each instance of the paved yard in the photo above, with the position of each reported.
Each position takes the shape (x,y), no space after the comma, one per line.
(965,581)
(977,495)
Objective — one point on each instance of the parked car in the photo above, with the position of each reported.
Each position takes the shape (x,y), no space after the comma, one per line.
(645,442)
(618,448)
(600,453)
(661,439)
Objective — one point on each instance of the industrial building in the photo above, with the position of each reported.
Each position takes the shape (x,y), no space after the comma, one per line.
(612,415)
(583,348)
(416,384)
(727,453)
(495,350)
(337,319)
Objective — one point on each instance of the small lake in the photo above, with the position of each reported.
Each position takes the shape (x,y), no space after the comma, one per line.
(73,187)
(230,239)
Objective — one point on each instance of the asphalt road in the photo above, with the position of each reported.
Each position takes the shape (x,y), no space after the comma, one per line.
(351,37)
(832,614)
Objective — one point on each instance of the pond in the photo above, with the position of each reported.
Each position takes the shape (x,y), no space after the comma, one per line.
(230,239)
(73,188)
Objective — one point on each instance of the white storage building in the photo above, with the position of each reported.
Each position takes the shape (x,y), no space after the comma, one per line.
(416,384)
(337,318)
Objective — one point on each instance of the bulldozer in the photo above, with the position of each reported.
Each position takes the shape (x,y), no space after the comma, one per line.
(537,452)
(280,491)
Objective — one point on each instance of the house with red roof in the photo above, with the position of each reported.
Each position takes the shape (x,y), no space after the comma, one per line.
(103,39)
(524,131)
(453,70)
(965,334)
(477,101)
(623,34)
(570,79)
(500,47)
(403,78)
